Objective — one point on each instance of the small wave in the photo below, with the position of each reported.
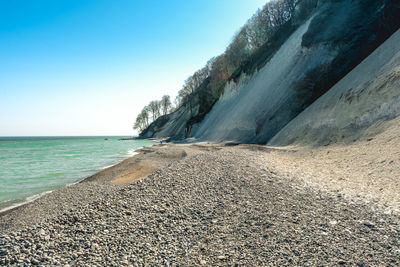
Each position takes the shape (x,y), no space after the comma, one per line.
(106,167)
(133,152)
(128,154)
(26,201)
(70,184)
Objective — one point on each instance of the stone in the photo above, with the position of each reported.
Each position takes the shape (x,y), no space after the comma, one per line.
(3,253)
(246,225)
(35,261)
(347,231)
(368,224)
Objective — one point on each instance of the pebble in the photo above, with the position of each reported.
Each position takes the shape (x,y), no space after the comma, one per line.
(3,253)
(35,262)
(347,231)
(368,224)
(210,208)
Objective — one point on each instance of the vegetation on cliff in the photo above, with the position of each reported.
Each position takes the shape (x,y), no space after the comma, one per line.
(249,50)
(338,36)
(152,112)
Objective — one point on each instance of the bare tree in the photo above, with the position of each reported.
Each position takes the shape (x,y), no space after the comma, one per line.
(154,108)
(177,103)
(137,125)
(140,123)
(165,104)
(187,94)
(252,40)
(145,116)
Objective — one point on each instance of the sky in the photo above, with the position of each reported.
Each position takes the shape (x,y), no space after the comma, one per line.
(87,67)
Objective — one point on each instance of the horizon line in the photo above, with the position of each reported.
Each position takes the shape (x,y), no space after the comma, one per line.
(111,135)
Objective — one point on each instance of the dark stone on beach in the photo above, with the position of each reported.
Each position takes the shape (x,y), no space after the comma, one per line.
(368,224)
(3,253)
(35,262)
(74,219)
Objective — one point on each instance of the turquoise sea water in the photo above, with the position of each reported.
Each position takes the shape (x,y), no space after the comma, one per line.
(30,166)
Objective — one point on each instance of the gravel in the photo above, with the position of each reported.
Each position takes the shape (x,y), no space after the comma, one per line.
(212,208)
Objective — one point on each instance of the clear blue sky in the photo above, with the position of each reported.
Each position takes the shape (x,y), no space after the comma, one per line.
(87,67)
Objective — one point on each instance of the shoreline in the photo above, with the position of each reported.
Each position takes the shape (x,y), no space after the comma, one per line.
(140,165)
(29,199)
(199,195)
(26,201)
(102,177)
(275,156)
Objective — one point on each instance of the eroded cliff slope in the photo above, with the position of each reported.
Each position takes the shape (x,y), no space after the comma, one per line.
(254,107)
(368,94)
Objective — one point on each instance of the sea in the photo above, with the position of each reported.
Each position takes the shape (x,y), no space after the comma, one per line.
(33,166)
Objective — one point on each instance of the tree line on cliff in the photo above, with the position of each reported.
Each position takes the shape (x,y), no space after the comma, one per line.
(251,48)
(153,111)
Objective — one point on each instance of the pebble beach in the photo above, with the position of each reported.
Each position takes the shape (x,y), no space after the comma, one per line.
(211,206)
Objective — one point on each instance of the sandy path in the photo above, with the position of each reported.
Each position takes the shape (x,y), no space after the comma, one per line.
(149,160)
(141,165)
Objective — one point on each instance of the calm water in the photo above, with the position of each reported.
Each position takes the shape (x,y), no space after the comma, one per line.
(30,166)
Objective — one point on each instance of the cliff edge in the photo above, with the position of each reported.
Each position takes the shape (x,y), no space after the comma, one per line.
(313,61)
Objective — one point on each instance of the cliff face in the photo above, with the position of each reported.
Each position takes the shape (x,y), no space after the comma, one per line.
(336,38)
(368,94)
(172,125)
(257,108)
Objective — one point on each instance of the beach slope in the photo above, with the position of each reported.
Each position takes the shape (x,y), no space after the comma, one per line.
(214,206)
